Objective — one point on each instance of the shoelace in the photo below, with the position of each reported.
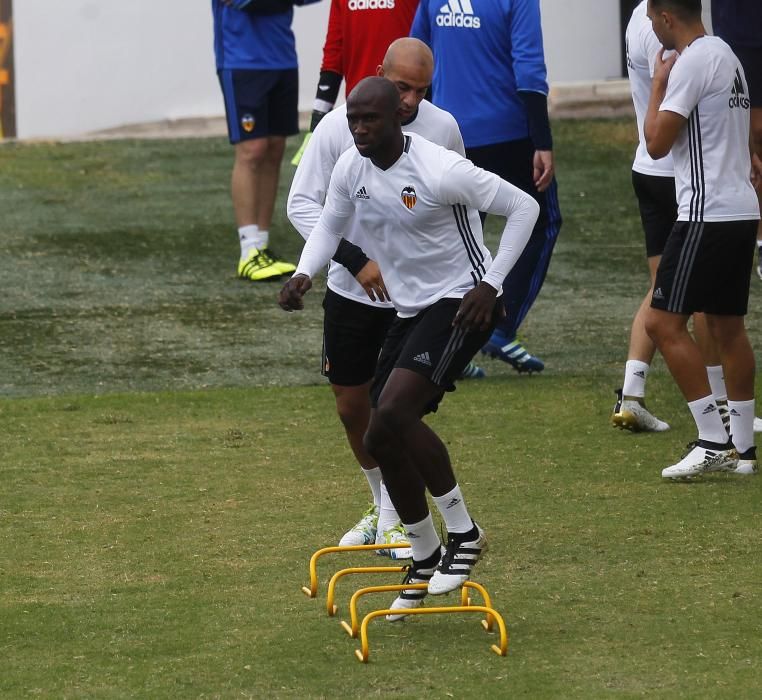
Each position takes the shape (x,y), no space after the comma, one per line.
(396,529)
(449,555)
(370,512)
(413,575)
(271,255)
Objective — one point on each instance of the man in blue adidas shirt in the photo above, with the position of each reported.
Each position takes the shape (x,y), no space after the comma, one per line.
(490,75)
(257,67)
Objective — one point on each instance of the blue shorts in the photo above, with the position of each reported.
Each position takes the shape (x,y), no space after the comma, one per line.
(260,103)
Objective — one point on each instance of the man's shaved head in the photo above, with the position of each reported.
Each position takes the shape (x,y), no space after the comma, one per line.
(377,91)
(408,53)
(409,64)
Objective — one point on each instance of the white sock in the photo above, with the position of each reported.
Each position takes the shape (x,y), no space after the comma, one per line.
(635,374)
(374,481)
(716,377)
(742,424)
(387,515)
(708,420)
(251,237)
(423,538)
(454,512)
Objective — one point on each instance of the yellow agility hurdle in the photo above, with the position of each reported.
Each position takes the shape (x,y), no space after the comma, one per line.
(465,601)
(330,607)
(364,652)
(312,590)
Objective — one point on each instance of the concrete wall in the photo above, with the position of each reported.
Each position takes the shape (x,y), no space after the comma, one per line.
(84,65)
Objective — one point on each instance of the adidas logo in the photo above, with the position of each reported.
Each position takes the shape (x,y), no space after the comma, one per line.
(413,536)
(458,13)
(453,502)
(640,374)
(735,413)
(711,408)
(362,194)
(370,4)
(737,93)
(424,359)
(658,294)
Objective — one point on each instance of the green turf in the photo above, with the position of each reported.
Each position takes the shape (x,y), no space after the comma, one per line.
(154,545)
(163,490)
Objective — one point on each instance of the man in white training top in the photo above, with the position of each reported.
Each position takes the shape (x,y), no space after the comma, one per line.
(699,111)
(355,324)
(654,185)
(419,204)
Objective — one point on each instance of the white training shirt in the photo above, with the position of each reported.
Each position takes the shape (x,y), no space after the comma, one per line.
(642,48)
(707,86)
(310,184)
(420,218)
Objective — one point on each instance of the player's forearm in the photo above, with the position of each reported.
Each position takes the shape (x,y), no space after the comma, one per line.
(521,212)
(303,212)
(326,95)
(536,106)
(319,249)
(653,131)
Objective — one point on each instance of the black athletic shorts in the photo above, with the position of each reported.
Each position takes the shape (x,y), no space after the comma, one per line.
(657,202)
(353,334)
(260,103)
(706,267)
(751,60)
(429,345)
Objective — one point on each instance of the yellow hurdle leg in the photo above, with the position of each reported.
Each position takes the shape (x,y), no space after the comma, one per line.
(330,607)
(353,628)
(364,652)
(311,591)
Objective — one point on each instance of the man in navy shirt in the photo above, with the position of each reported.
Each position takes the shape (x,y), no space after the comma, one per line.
(490,75)
(257,67)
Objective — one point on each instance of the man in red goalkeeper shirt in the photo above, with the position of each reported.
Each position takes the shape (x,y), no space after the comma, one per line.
(359,32)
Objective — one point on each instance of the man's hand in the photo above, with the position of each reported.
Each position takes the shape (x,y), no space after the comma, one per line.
(662,68)
(476,309)
(543,170)
(371,281)
(290,297)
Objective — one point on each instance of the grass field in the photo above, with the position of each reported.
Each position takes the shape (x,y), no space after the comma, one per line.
(170,459)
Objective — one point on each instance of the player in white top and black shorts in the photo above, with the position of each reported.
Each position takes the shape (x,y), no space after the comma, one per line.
(697,110)
(355,324)
(654,185)
(419,204)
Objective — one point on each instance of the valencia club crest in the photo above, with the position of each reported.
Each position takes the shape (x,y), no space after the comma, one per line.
(409,198)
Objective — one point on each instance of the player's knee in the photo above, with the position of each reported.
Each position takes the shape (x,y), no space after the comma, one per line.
(385,427)
(251,153)
(353,412)
(276,147)
(653,328)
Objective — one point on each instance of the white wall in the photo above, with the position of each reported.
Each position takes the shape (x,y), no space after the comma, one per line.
(582,39)
(84,65)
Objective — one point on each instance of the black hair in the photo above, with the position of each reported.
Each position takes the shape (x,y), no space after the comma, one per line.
(684,9)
